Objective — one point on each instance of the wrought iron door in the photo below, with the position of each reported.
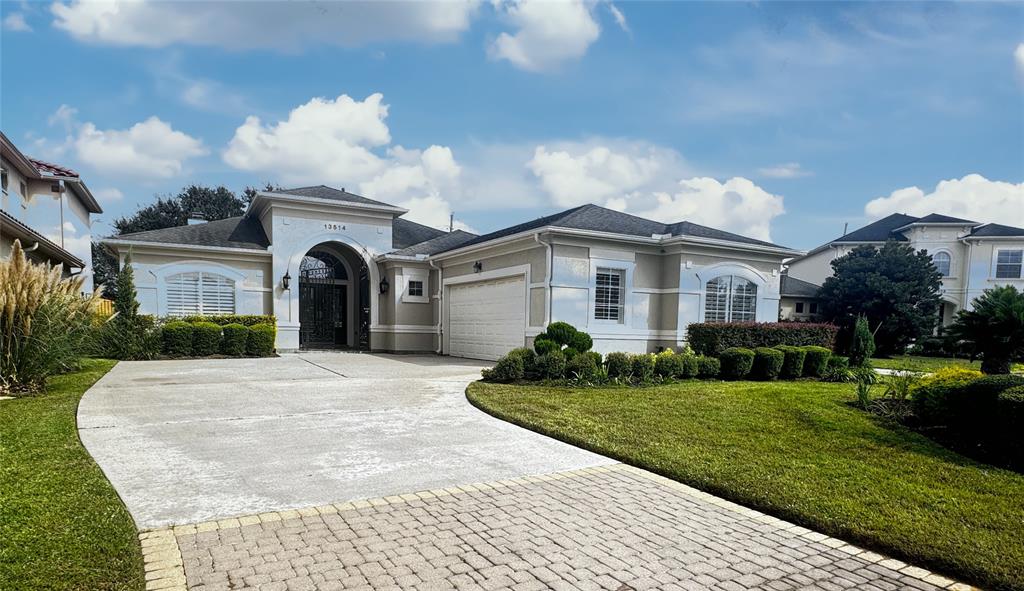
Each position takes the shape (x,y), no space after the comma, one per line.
(322,313)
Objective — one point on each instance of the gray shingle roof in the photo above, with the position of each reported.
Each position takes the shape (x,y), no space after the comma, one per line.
(879,231)
(793,287)
(325,192)
(447,241)
(997,230)
(938,218)
(405,233)
(236,232)
(600,219)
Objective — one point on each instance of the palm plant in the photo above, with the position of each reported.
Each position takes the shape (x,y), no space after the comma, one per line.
(995,324)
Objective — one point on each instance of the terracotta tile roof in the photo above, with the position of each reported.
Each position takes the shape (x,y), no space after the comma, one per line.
(51,169)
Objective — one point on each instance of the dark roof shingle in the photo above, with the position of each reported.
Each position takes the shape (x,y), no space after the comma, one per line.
(793,287)
(325,192)
(879,231)
(446,241)
(236,232)
(600,219)
(938,218)
(405,233)
(997,230)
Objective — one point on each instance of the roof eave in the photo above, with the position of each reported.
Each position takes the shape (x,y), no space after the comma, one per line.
(180,246)
(270,195)
(83,193)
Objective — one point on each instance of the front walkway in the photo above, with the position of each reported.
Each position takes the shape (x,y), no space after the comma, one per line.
(611,527)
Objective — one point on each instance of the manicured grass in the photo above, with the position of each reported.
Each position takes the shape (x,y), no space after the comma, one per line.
(62,526)
(923,364)
(802,452)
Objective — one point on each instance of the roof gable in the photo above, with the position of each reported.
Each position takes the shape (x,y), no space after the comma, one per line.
(938,218)
(997,230)
(405,233)
(331,194)
(879,231)
(446,241)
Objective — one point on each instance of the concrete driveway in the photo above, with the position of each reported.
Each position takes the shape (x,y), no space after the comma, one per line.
(191,441)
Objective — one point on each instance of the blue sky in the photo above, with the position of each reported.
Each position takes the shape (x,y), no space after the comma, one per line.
(776,120)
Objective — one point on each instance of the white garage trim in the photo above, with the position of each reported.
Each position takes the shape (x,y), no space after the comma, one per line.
(516,336)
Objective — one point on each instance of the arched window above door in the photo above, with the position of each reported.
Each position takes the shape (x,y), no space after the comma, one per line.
(730,298)
(320,264)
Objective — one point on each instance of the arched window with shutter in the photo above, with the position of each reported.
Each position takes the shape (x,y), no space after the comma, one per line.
(200,292)
(730,298)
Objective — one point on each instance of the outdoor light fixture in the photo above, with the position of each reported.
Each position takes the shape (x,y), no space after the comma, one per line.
(286,280)
(478,266)
(384,285)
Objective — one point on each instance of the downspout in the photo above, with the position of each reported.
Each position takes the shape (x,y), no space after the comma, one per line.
(547,279)
(440,306)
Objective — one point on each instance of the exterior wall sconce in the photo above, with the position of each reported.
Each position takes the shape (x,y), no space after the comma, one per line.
(286,281)
(384,285)
(478,266)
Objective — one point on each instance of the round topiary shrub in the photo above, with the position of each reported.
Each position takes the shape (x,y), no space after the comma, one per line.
(177,338)
(569,353)
(596,357)
(551,366)
(793,364)
(667,364)
(581,367)
(508,368)
(261,340)
(736,363)
(619,366)
(815,361)
(562,333)
(837,362)
(205,339)
(581,341)
(688,365)
(643,367)
(544,345)
(708,367)
(529,361)
(767,363)
(234,341)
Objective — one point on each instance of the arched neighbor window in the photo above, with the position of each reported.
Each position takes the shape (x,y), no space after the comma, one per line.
(730,299)
(200,292)
(941,261)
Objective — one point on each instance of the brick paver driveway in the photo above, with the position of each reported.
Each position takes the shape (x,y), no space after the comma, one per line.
(373,472)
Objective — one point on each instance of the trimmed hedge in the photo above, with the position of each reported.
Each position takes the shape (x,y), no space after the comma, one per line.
(205,339)
(177,337)
(542,345)
(708,367)
(508,369)
(1010,424)
(767,363)
(582,367)
(736,363)
(668,365)
(690,367)
(225,319)
(234,341)
(261,340)
(815,361)
(793,362)
(551,366)
(712,338)
(620,366)
(642,367)
(837,362)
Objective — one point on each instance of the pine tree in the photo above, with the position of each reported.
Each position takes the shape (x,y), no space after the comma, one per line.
(862,344)
(126,304)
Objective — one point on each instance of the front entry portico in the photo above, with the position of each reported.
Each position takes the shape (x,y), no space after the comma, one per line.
(334,305)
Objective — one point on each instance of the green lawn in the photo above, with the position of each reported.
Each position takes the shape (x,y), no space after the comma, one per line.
(924,364)
(800,451)
(62,526)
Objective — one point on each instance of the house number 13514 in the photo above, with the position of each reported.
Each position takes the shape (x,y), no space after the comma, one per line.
(330,226)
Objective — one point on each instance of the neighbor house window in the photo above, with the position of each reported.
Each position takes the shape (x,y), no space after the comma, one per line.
(200,293)
(814,308)
(730,299)
(799,307)
(610,295)
(416,288)
(941,261)
(1008,264)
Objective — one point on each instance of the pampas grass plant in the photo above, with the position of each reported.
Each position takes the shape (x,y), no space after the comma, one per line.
(45,322)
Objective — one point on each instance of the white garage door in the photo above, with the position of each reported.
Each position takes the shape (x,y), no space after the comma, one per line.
(486,319)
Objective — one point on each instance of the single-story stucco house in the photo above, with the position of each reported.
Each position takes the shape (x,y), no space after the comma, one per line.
(341,270)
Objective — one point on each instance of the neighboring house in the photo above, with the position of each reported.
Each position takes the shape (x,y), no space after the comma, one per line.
(341,270)
(47,207)
(799,300)
(971,256)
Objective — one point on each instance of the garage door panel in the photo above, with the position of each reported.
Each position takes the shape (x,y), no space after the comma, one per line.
(486,319)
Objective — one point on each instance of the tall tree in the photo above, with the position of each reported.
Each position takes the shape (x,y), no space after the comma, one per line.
(210,204)
(167,212)
(893,287)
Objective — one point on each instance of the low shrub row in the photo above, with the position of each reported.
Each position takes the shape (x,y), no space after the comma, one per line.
(590,368)
(713,338)
(200,339)
(772,363)
(226,319)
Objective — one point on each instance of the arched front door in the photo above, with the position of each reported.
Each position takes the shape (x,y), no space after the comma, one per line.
(324,282)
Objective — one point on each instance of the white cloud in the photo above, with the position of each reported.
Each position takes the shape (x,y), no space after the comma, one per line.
(339,142)
(1018,57)
(972,197)
(108,194)
(15,21)
(653,182)
(620,19)
(549,33)
(275,25)
(150,148)
(789,170)
(63,116)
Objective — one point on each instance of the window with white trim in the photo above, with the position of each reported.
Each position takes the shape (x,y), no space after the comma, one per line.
(1009,263)
(416,288)
(610,295)
(415,291)
(942,261)
(199,292)
(730,299)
